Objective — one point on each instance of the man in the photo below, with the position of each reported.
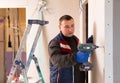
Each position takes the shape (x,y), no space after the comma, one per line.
(65,59)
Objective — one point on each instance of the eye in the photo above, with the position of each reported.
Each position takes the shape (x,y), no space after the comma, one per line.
(72,25)
(66,26)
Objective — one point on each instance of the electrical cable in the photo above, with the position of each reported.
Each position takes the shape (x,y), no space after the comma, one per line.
(9,38)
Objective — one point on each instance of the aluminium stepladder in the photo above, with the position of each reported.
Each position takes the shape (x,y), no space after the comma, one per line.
(17,61)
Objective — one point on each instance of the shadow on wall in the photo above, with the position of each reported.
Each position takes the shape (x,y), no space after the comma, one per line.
(96,71)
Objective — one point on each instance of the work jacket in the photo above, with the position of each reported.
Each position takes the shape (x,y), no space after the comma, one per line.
(63,65)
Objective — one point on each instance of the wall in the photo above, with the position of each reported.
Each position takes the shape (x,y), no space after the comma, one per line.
(7,4)
(116,41)
(96,27)
(2,49)
(112,28)
(109,42)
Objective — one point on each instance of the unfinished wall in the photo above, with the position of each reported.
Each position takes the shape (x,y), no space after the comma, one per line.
(9,34)
(2,49)
(4,43)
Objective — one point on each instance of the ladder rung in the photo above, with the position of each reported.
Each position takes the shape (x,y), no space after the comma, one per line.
(34,21)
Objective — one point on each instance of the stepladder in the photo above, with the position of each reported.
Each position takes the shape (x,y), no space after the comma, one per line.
(17,61)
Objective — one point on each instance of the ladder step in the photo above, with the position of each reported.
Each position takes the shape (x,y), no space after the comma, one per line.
(34,21)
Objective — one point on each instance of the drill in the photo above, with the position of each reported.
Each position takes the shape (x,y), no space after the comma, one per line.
(88,47)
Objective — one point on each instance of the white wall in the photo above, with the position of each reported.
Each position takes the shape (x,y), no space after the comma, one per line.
(109,41)
(96,27)
(13,4)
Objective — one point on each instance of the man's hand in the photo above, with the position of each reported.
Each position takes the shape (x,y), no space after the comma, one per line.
(82,56)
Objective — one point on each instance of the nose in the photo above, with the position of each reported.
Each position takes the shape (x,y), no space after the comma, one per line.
(71,29)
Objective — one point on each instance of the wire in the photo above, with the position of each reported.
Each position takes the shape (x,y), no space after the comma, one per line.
(9,38)
(81,5)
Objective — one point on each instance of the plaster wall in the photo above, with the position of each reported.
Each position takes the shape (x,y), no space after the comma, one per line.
(96,27)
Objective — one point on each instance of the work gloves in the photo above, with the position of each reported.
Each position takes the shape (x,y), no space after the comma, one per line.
(82,56)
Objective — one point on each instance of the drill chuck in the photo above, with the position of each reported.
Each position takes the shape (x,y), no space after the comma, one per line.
(88,47)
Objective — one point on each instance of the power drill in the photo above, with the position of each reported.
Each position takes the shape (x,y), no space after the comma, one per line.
(88,47)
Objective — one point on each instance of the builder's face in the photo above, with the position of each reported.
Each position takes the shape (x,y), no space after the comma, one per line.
(67,27)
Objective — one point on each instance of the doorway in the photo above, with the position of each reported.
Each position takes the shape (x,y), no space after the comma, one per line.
(12,31)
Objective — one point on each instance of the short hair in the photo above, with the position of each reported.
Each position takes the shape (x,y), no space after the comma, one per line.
(65,17)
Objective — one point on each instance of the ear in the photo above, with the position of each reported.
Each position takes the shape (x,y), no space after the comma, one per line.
(59,27)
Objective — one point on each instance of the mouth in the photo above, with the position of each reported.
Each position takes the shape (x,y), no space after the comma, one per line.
(70,33)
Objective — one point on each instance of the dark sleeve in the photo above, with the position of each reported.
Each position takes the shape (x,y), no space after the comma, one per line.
(58,58)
